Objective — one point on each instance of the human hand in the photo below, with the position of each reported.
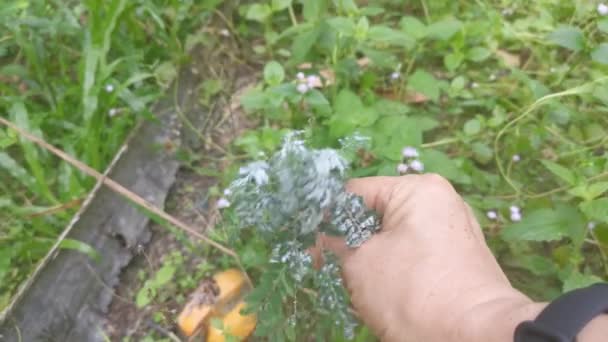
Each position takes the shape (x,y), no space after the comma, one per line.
(428,275)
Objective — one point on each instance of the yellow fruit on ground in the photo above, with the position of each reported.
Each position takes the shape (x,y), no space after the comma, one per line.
(234,324)
(195,314)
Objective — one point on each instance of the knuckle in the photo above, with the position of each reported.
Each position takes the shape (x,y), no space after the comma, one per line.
(437,182)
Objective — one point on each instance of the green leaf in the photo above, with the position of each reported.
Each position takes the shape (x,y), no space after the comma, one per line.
(391,133)
(577,280)
(596,209)
(164,275)
(350,113)
(81,247)
(589,191)
(472,127)
(438,162)
(546,224)
(273,73)
(345,26)
(453,60)
(386,35)
(568,37)
(258,12)
(279,5)
(303,43)
(600,53)
(423,82)
(482,152)
(602,25)
(145,295)
(313,10)
(560,171)
(413,27)
(444,29)
(478,54)
(361,29)
(165,73)
(14,169)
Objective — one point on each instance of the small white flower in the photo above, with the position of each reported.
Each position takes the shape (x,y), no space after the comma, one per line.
(474,85)
(227,192)
(591,225)
(313,81)
(109,88)
(516,217)
(112,112)
(492,77)
(417,165)
(395,76)
(514,209)
(302,88)
(602,9)
(402,168)
(223,203)
(224,33)
(516,158)
(492,215)
(409,152)
(552,70)
(300,76)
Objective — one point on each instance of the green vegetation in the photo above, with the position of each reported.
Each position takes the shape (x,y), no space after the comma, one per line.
(506,99)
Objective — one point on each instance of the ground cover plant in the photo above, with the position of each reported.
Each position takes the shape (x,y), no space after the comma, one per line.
(506,99)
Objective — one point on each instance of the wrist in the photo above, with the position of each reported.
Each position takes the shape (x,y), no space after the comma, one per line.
(496,319)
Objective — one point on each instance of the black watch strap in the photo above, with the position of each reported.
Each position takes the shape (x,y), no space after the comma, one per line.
(566,316)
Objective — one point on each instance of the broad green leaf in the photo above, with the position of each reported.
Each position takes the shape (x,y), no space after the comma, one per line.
(387,35)
(278,5)
(472,127)
(316,98)
(478,54)
(361,29)
(303,43)
(346,26)
(589,191)
(482,152)
(577,280)
(254,99)
(568,37)
(314,10)
(538,265)
(273,73)
(444,29)
(258,12)
(596,209)
(350,113)
(438,162)
(145,295)
(164,275)
(81,247)
(546,224)
(560,171)
(390,134)
(423,82)
(413,27)
(600,53)
(453,60)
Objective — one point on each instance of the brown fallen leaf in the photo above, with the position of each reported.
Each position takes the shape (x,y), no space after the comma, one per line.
(508,58)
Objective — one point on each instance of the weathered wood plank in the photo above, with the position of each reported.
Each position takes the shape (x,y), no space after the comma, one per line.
(67,296)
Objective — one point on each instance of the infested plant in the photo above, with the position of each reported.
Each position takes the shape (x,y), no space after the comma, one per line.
(288,200)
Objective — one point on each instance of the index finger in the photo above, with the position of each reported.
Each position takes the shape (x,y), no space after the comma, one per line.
(376,191)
